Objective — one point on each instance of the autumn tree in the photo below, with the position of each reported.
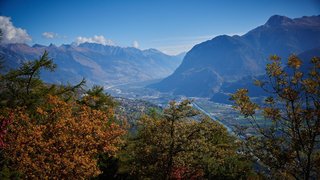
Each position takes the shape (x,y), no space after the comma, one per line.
(47,132)
(61,140)
(22,87)
(289,146)
(174,145)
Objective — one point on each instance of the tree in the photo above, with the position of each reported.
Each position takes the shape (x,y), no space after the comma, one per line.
(60,140)
(290,145)
(96,98)
(46,131)
(174,145)
(22,87)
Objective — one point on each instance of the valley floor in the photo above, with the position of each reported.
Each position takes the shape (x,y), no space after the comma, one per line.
(223,113)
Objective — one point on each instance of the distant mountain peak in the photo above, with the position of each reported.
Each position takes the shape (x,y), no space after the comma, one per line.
(277,20)
(152,50)
(223,38)
(66,46)
(52,45)
(38,46)
(93,46)
(90,44)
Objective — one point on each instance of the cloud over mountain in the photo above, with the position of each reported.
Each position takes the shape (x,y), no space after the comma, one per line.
(95,39)
(49,35)
(12,34)
(135,44)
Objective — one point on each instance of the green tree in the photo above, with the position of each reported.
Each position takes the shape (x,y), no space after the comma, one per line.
(290,146)
(23,87)
(96,98)
(175,145)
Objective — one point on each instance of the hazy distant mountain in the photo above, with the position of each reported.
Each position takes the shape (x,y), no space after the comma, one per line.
(97,63)
(227,59)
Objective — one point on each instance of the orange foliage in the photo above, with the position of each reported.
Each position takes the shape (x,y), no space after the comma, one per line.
(186,173)
(60,140)
(4,123)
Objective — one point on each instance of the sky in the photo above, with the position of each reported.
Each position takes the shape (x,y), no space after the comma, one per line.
(172,26)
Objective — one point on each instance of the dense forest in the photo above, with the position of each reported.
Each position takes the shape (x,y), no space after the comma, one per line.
(50,131)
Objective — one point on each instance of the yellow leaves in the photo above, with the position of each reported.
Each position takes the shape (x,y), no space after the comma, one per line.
(271,113)
(311,85)
(297,77)
(294,62)
(289,94)
(316,61)
(64,143)
(293,111)
(313,73)
(243,102)
(274,58)
(274,69)
(258,83)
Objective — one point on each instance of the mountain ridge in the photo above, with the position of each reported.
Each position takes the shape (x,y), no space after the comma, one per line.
(99,64)
(234,57)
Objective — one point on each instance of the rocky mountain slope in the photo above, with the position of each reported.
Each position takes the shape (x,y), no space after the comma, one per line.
(208,65)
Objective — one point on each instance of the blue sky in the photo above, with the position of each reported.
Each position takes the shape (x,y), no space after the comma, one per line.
(171,26)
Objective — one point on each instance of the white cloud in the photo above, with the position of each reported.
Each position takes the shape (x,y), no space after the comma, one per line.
(176,45)
(52,35)
(49,35)
(12,34)
(95,39)
(175,49)
(135,44)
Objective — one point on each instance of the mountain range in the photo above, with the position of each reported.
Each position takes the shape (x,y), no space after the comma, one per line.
(212,66)
(98,64)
